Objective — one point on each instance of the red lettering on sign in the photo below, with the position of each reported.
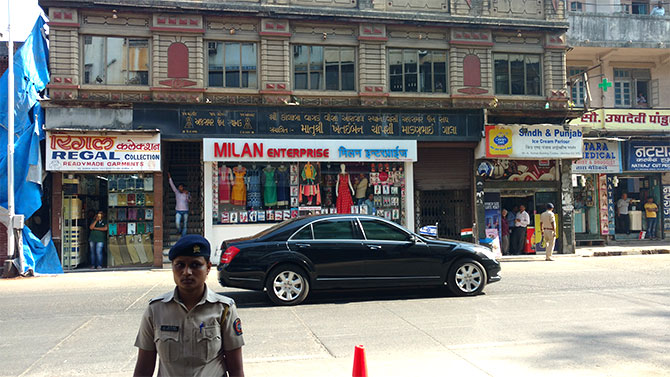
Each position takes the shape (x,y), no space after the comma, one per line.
(258,150)
(219,150)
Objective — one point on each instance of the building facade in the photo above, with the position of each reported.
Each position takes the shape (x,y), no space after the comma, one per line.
(619,70)
(269,110)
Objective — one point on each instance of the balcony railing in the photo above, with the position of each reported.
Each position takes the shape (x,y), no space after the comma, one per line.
(618,30)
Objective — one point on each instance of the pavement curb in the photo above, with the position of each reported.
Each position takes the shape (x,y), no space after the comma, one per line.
(588,253)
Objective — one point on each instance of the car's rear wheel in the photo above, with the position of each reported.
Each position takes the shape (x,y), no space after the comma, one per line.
(287,285)
(467,277)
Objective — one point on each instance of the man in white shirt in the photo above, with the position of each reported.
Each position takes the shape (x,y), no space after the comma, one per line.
(521,223)
(622,213)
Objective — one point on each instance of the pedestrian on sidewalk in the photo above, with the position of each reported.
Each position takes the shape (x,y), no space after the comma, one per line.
(548,226)
(651,209)
(504,232)
(96,239)
(622,213)
(182,198)
(193,330)
(522,220)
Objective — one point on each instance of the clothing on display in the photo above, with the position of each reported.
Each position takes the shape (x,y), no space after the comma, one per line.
(225,182)
(309,187)
(239,192)
(269,180)
(344,201)
(253,188)
(283,186)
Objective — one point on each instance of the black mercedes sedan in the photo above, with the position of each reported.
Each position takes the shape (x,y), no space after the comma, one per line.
(350,251)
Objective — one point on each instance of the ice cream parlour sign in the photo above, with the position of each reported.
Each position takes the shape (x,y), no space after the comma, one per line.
(532,142)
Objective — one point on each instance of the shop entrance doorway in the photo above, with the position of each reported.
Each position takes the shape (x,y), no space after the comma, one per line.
(450,209)
(637,188)
(185,166)
(126,202)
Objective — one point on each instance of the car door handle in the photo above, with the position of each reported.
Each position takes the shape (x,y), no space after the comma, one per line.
(374,247)
(302,245)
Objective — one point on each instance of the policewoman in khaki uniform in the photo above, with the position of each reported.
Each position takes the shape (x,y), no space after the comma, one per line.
(193,330)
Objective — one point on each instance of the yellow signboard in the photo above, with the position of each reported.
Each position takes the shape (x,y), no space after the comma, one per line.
(625,120)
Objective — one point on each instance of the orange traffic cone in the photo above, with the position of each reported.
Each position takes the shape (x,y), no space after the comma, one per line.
(360,367)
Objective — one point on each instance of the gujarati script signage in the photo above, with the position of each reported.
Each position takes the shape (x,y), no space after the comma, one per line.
(317,150)
(625,120)
(109,152)
(304,123)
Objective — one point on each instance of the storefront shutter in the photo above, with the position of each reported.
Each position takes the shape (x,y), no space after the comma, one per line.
(443,169)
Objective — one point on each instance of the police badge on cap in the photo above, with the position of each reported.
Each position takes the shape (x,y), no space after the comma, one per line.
(191,245)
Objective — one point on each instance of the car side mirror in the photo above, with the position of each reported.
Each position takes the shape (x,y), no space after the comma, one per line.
(412,239)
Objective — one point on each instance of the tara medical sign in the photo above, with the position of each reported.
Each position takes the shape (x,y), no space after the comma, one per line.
(103,152)
(308,150)
(533,142)
(599,156)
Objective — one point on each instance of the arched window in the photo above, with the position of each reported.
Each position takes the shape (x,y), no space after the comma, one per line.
(472,71)
(177,61)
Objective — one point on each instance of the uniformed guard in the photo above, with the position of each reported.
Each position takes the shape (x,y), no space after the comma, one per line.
(193,330)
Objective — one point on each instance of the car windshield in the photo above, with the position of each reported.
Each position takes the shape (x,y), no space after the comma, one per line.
(276,226)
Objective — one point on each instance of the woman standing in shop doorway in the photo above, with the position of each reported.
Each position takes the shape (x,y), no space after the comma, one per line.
(96,239)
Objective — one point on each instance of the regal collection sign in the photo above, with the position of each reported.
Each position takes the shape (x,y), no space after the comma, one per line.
(284,122)
(98,152)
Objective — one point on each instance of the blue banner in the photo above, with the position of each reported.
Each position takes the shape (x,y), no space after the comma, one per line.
(648,156)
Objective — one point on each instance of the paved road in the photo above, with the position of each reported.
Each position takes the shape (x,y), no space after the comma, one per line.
(606,316)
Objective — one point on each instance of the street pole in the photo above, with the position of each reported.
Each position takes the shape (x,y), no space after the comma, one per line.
(10,136)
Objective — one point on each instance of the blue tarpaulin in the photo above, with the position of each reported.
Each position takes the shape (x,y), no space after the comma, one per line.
(31,76)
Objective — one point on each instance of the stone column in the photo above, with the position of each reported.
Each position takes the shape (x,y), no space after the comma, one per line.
(567,232)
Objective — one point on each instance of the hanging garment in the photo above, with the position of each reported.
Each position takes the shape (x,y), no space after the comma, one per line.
(254,188)
(149,184)
(344,201)
(283,186)
(149,198)
(269,187)
(239,193)
(224,184)
(308,176)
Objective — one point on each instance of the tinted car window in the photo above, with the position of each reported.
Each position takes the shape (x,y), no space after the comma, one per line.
(376,230)
(304,234)
(333,230)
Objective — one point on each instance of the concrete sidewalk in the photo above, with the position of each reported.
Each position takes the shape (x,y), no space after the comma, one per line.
(637,247)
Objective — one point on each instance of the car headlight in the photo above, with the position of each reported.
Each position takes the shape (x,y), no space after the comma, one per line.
(487,252)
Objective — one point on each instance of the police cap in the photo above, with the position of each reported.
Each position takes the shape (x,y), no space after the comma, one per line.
(191,245)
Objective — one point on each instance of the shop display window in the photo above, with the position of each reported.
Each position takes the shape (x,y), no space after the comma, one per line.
(273,192)
(130,215)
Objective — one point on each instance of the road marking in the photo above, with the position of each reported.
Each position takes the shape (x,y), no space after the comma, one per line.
(311,333)
(139,298)
(56,346)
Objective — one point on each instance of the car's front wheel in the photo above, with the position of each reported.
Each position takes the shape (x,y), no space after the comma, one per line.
(287,285)
(467,277)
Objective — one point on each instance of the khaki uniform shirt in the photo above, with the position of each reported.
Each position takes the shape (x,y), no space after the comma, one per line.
(547,219)
(190,343)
